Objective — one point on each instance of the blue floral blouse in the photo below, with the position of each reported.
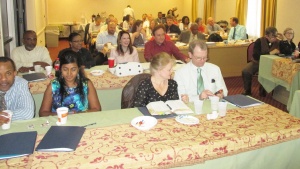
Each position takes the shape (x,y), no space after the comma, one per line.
(72,98)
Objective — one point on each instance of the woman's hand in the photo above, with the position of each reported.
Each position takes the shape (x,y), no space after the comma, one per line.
(185,98)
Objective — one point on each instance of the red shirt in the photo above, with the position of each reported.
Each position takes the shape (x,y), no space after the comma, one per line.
(152,48)
(167,37)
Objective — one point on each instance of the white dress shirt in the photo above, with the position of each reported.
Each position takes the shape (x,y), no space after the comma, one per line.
(186,78)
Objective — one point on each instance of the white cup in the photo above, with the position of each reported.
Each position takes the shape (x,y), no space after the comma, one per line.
(198,104)
(214,100)
(222,108)
(109,45)
(37,68)
(48,70)
(62,114)
(112,70)
(6,126)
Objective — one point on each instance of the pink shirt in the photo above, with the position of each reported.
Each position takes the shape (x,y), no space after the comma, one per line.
(133,57)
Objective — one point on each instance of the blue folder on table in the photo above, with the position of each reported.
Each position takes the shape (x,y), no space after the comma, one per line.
(17,144)
(61,138)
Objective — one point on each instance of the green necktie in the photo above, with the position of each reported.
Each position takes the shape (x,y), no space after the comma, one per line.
(200,85)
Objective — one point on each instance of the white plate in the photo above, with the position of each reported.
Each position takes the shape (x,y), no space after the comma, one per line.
(97,72)
(210,43)
(144,122)
(186,119)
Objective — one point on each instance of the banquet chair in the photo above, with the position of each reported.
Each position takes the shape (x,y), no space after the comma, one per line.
(129,90)
(250,52)
(87,38)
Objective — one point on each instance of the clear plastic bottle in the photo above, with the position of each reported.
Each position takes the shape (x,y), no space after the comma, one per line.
(56,66)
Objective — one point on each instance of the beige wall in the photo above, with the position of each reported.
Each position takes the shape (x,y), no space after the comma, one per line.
(64,11)
(288,16)
(67,11)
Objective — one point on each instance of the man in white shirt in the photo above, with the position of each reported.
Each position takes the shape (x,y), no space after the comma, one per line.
(29,55)
(192,86)
(128,11)
(94,28)
(237,32)
(109,36)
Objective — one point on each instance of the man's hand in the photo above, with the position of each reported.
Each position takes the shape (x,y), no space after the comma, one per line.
(274,52)
(25,69)
(43,64)
(187,60)
(205,94)
(3,118)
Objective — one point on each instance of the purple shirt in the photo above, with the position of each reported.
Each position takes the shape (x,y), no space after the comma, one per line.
(152,48)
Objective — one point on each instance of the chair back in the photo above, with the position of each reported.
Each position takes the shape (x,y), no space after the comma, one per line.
(130,89)
(86,38)
(250,52)
(214,37)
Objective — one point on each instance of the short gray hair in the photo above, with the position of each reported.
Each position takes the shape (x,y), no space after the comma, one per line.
(200,43)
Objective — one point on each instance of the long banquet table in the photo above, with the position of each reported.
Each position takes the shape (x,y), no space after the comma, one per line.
(256,137)
(231,58)
(276,71)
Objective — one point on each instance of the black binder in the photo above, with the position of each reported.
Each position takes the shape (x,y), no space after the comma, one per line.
(17,144)
(61,138)
(34,77)
(242,100)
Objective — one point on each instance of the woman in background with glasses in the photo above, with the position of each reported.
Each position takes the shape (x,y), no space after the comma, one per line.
(75,41)
(286,45)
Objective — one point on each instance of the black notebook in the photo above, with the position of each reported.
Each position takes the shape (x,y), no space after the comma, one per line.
(242,100)
(61,138)
(17,144)
(34,77)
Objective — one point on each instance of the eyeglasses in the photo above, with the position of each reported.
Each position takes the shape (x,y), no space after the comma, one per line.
(289,33)
(204,59)
(77,41)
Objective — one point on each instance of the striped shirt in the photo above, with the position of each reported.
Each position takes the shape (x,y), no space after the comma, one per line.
(19,100)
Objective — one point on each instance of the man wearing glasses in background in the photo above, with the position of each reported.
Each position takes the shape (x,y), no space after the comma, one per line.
(29,55)
(199,79)
(266,45)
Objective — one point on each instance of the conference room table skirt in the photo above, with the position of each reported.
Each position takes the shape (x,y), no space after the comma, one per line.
(256,137)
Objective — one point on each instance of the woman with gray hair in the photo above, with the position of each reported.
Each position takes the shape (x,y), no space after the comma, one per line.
(202,28)
(286,45)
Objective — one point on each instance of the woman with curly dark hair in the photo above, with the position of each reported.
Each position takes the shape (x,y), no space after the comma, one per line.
(70,89)
(185,23)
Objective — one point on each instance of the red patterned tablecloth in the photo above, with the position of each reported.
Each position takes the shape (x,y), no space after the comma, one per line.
(285,69)
(105,81)
(169,143)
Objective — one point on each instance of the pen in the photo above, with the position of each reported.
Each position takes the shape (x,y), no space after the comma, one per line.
(89,124)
